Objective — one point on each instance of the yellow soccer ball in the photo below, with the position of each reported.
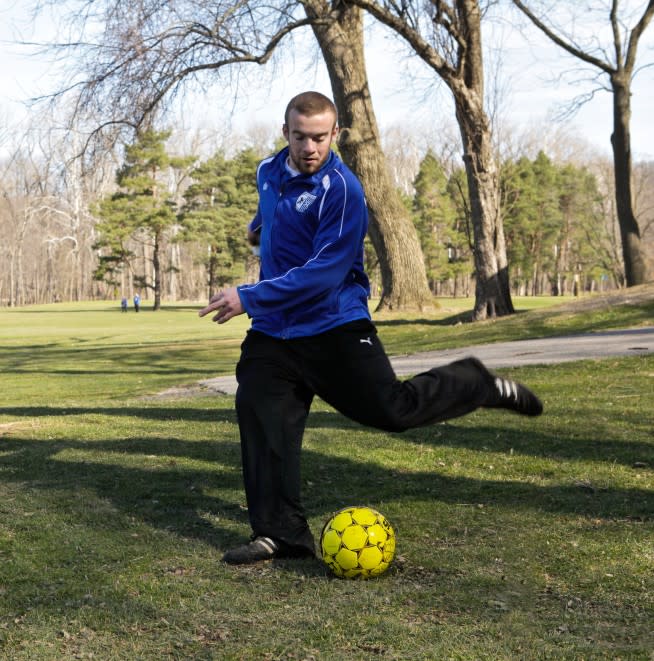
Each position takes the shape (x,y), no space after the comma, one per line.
(357,542)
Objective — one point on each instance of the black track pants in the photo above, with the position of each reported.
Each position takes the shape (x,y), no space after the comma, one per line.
(348,368)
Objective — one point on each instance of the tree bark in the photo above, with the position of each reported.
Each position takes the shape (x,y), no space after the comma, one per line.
(621,70)
(156,267)
(492,291)
(635,269)
(391,230)
(457,58)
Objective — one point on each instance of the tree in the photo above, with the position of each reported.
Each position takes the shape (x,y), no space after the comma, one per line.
(447,37)
(46,228)
(437,220)
(219,203)
(462,240)
(146,53)
(532,218)
(141,212)
(620,68)
(557,231)
(339,32)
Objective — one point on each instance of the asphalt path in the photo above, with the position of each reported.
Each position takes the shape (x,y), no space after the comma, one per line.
(567,348)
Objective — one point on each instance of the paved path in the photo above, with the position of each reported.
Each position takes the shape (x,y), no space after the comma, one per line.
(545,351)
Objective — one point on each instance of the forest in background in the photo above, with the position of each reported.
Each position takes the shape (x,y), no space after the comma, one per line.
(161,221)
(121,206)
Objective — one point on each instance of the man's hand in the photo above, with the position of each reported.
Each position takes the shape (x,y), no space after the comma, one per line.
(227,303)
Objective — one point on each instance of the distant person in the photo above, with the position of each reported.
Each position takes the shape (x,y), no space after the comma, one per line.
(137,302)
(123,304)
(312,334)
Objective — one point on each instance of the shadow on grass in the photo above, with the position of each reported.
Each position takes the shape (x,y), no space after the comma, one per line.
(389,484)
(452,320)
(505,439)
(159,482)
(163,492)
(148,360)
(598,448)
(539,321)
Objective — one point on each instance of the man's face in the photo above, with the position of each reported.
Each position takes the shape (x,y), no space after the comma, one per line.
(309,139)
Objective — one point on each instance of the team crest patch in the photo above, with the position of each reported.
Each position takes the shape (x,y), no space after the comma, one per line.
(304,202)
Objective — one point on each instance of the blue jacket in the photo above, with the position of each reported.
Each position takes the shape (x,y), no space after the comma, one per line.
(312,230)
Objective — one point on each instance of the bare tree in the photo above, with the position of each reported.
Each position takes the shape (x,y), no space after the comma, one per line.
(46,230)
(148,53)
(340,35)
(644,202)
(617,61)
(447,37)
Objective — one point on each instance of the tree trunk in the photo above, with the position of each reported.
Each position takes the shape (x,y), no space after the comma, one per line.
(635,269)
(156,267)
(393,235)
(460,65)
(492,292)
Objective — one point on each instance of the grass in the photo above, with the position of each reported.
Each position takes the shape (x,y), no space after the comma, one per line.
(517,539)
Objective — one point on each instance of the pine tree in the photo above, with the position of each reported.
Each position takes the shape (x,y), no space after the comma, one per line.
(438,222)
(218,206)
(140,213)
(532,218)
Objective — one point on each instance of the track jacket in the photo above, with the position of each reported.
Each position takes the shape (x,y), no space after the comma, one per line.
(312,230)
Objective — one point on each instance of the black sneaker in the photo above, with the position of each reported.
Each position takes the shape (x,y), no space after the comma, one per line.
(515,397)
(260,548)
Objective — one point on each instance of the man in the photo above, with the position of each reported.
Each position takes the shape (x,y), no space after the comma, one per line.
(312,334)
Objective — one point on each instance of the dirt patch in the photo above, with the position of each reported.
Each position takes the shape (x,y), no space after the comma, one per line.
(8,428)
(177,392)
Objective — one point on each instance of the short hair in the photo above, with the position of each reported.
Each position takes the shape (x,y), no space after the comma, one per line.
(309,104)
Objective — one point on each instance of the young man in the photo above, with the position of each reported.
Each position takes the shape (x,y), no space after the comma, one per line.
(312,334)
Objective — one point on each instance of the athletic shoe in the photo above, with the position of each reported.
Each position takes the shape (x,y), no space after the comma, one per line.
(260,548)
(515,397)
(508,394)
(264,548)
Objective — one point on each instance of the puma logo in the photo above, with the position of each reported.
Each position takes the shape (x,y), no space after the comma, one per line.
(367,340)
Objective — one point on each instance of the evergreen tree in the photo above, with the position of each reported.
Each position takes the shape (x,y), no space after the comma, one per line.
(140,213)
(555,231)
(532,218)
(460,235)
(585,247)
(218,206)
(441,225)
(433,213)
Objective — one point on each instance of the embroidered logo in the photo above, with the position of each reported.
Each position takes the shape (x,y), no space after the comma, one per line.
(366,341)
(265,186)
(304,202)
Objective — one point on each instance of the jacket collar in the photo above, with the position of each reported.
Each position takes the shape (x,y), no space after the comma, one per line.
(308,178)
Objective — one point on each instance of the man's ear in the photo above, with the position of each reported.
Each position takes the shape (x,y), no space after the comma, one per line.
(285,131)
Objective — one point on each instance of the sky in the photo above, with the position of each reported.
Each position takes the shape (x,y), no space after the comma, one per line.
(403,91)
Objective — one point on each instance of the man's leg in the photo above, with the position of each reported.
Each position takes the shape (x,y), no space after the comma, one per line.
(272,406)
(353,374)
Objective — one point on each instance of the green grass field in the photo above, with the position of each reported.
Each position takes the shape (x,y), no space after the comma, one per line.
(517,538)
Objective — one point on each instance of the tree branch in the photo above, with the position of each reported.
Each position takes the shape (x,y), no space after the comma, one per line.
(559,41)
(421,46)
(636,34)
